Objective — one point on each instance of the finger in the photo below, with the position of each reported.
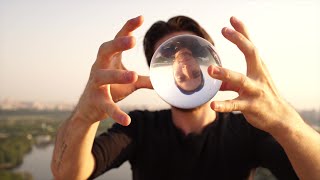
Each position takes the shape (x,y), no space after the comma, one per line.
(111,48)
(232,80)
(227,86)
(240,27)
(130,26)
(104,76)
(143,82)
(246,47)
(117,114)
(227,106)
(267,77)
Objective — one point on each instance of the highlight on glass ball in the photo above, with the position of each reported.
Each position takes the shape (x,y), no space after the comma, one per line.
(178,71)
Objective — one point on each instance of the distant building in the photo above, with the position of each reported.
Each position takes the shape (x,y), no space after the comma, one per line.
(10,104)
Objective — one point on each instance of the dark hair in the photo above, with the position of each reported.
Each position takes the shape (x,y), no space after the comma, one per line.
(176,24)
(179,42)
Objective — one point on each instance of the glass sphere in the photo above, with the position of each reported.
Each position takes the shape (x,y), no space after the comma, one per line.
(178,71)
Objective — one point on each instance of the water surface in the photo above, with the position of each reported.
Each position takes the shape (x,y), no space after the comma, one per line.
(37,163)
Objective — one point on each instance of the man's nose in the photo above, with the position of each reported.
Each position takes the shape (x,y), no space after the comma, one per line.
(186,71)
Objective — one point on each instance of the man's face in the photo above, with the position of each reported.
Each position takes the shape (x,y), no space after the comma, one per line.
(186,70)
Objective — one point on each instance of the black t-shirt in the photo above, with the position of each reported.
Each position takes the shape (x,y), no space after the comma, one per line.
(227,148)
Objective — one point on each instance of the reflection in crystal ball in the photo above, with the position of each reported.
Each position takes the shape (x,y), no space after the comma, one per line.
(178,71)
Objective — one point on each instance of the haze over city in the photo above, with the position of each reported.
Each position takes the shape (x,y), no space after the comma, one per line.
(47,47)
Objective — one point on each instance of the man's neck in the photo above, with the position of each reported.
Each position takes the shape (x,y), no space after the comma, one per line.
(193,120)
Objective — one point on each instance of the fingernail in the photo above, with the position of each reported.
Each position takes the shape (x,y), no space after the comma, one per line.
(216,70)
(228,31)
(136,18)
(235,19)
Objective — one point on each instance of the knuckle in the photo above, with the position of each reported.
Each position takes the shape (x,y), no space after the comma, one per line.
(241,38)
(103,46)
(262,93)
(103,50)
(252,50)
(109,48)
(227,75)
(243,81)
(233,106)
(95,78)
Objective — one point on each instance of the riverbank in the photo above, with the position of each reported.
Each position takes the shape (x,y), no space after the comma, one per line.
(23,129)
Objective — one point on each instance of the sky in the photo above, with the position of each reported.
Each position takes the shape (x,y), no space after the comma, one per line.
(47,47)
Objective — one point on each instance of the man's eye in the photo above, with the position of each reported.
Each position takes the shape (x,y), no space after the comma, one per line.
(196,74)
(181,78)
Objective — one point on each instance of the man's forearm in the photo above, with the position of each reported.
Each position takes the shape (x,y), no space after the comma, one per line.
(302,146)
(72,157)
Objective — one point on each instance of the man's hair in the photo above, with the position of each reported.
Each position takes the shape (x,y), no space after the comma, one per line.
(175,24)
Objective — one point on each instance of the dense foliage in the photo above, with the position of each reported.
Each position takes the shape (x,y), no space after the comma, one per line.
(12,150)
(7,175)
(20,130)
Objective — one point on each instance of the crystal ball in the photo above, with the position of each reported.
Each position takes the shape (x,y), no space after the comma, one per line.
(178,71)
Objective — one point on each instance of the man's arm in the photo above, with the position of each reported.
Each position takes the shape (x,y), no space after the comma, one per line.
(302,146)
(72,157)
(264,108)
(108,83)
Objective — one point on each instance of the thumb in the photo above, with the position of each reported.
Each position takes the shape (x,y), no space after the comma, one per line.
(227,106)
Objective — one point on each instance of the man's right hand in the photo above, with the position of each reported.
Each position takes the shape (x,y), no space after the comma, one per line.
(110,81)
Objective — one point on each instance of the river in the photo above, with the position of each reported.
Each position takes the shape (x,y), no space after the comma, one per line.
(37,163)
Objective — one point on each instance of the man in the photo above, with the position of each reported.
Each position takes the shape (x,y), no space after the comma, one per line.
(186,72)
(185,144)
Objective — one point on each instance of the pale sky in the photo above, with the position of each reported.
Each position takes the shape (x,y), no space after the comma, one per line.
(48,47)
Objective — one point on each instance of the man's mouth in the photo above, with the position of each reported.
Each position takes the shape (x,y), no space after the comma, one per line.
(183,55)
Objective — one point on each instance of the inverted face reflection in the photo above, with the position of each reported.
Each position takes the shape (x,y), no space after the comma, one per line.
(186,71)
(178,71)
